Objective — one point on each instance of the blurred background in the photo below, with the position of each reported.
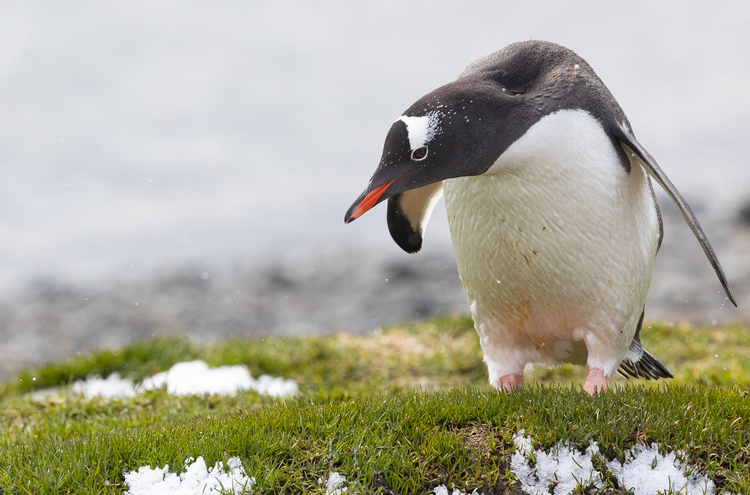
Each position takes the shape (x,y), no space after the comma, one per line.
(184,167)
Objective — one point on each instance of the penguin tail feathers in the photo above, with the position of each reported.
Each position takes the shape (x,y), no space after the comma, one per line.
(646,366)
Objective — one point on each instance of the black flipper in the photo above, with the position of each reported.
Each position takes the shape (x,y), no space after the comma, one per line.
(653,169)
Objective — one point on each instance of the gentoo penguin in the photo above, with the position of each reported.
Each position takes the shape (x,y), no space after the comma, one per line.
(553,217)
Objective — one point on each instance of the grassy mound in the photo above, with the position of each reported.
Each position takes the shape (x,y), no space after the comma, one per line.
(399,411)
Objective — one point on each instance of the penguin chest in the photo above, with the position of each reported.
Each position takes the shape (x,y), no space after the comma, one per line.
(555,243)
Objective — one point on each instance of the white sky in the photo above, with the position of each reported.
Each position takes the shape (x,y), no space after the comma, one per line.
(137,134)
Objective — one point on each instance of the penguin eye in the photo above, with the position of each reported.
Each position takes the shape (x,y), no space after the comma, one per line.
(419,154)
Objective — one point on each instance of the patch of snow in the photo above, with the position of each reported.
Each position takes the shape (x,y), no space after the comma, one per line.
(190,378)
(335,484)
(196,480)
(522,443)
(564,466)
(275,386)
(196,378)
(112,387)
(645,471)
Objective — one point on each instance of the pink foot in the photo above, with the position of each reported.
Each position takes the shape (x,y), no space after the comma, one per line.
(596,382)
(509,382)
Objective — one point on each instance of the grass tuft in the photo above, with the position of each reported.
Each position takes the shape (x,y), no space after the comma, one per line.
(399,411)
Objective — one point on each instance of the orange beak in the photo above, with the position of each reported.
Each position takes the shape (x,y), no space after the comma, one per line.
(367,202)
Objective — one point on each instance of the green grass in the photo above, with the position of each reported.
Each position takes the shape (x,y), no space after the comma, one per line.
(403,409)
(695,355)
(442,352)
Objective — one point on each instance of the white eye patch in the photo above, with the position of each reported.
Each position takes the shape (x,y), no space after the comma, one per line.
(421,130)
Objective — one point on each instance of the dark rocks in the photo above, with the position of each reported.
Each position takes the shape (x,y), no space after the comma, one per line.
(356,291)
(744,214)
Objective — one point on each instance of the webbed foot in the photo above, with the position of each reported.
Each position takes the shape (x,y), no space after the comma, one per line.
(596,382)
(509,382)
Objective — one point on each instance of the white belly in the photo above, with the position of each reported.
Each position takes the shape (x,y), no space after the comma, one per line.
(555,247)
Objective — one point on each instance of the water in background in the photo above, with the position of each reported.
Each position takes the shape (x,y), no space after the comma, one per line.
(141,139)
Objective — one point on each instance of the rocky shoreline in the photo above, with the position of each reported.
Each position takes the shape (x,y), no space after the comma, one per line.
(353,291)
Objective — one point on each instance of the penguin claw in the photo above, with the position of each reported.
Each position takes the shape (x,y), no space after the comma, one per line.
(596,382)
(510,382)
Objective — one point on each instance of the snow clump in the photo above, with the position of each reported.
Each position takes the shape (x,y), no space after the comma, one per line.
(197,479)
(190,378)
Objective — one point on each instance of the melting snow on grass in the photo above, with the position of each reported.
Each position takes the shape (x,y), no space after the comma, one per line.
(644,472)
(568,468)
(112,387)
(196,378)
(335,484)
(197,479)
(191,378)
(443,490)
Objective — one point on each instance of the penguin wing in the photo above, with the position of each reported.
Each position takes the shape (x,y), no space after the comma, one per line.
(409,212)
(647,161)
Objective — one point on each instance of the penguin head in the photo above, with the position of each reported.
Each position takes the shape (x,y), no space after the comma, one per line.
(433,140)
(462,128)
(451,132)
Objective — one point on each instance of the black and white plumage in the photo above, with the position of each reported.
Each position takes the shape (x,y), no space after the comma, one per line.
(553,217)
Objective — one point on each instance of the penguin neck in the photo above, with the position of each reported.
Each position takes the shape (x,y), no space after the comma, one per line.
(565,145)
(563,169)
